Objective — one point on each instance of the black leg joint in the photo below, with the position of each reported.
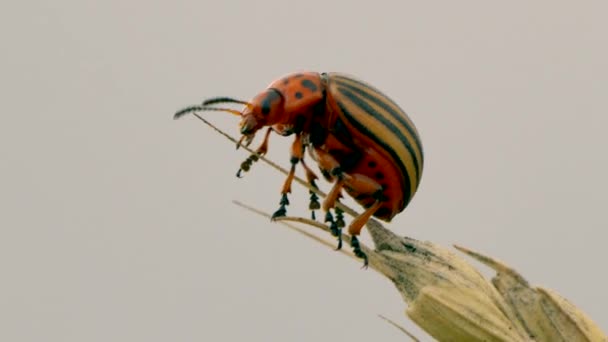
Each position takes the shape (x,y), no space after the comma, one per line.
(284,200)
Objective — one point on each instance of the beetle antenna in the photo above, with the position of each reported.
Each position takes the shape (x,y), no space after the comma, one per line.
(191,109)
(224,100)
(187,110)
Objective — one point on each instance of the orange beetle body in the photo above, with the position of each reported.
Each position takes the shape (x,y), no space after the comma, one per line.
(361,140)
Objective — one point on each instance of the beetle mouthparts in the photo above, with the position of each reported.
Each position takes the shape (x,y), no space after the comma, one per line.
(245,140)
(249,124)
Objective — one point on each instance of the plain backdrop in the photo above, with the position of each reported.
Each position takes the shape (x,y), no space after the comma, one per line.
(117,223)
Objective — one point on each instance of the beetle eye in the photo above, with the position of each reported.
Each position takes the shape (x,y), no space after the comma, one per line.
(270,102)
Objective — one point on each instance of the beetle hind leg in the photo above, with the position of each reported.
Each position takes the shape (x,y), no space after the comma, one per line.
(354,229)
(365,186)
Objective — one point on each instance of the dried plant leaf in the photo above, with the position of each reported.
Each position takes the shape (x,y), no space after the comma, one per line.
(545,315)
(446,296)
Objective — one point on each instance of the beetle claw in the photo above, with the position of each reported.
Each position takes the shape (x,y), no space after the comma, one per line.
(282,211)
(354,242)
(337,232)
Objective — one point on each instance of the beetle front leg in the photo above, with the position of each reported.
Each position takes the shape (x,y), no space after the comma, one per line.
(297,153)
(246,165)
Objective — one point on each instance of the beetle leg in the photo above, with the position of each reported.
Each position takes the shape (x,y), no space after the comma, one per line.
(364,186)
(263,148)
(314,198)
(330,203)
(334,193)
(331,168)
(246,165)
(297,152)
(367,186)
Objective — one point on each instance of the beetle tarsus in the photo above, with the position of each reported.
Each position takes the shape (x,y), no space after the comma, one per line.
(314,198)
(246,164)
(334,228)
(314,203)
(337,232)
(354,243)
(282,211)
(328,217)
(339,217)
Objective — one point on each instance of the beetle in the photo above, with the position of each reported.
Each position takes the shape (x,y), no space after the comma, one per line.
(361,140)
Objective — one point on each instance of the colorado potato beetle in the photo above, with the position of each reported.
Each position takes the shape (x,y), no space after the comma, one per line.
(362,141)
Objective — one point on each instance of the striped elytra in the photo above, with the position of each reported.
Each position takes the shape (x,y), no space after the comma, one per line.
(361,140)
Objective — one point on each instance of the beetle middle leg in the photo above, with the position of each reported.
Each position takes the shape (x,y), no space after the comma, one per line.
(311,177)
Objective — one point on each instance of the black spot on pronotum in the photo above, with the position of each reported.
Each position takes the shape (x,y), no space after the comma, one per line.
(298,95)
(267,102)
(309,85)
(372,164)
(379,175)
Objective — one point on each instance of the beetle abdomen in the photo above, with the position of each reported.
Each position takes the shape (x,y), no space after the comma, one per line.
(375,122)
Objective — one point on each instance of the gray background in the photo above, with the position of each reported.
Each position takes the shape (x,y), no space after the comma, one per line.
(117,222)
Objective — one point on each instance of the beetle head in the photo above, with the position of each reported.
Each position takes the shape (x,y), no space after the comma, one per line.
(265,109)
